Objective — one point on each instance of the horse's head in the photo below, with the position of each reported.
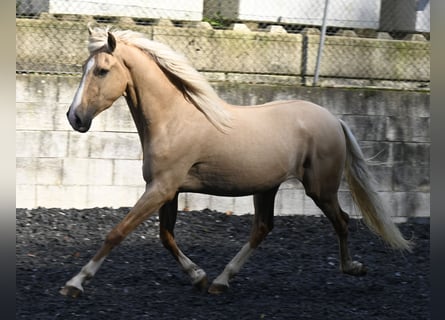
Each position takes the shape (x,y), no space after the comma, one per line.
(103,82)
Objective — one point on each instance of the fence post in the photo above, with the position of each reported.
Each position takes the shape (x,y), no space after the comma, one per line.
(321,44)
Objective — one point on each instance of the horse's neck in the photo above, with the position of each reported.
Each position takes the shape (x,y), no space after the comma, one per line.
(139,118)
(153,100)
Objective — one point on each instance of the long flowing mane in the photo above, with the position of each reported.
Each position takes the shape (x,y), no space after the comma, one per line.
(193,84)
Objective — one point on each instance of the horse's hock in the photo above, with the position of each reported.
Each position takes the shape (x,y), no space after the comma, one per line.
(53,171)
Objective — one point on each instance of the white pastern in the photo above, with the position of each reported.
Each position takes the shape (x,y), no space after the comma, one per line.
(234,266)
(87,272)
(194,272)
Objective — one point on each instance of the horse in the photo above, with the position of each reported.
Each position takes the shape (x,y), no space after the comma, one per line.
(194,141)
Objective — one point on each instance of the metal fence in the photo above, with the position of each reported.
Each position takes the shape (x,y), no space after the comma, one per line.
(314,41)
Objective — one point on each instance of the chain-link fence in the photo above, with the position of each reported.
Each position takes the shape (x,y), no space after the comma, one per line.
(358,42)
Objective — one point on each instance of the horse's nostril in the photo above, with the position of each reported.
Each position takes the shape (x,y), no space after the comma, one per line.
(78,123)
(77,120)
(81,124)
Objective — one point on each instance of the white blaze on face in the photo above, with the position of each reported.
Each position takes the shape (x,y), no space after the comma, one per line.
(79,93)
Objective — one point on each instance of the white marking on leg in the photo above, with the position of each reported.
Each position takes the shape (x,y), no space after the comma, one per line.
(234,266)
(194,272)
(87,272)
(79,93)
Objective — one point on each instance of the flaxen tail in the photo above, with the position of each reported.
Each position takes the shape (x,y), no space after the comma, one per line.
(364,195)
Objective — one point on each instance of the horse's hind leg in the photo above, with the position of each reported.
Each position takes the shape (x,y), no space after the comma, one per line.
(167,218)
(321,181)
(262,225)
(339,219)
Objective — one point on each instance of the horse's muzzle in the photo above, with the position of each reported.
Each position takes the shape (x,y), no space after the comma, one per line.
(78,123)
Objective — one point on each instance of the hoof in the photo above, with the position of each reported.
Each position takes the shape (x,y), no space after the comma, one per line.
(70,291)
(218,288)
(202,284)
(355,268)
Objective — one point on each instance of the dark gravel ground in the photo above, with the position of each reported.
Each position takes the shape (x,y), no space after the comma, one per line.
(293,274)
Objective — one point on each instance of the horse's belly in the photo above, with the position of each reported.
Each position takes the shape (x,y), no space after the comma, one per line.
(236,177)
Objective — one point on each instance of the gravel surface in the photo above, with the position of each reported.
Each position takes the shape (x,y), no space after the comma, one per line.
(292,275)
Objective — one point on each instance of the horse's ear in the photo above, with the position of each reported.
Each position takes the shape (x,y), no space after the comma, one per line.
(90,30)
(111,42)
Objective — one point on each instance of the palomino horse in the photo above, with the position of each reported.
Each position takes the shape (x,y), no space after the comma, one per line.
(192,141)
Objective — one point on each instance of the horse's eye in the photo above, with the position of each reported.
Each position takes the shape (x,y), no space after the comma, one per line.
(101,72)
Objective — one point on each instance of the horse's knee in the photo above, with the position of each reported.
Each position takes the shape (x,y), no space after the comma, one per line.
(258,234)
(165,237)
(114,237)
(168,241)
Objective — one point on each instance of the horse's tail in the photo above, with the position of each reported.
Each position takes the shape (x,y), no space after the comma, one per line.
(366,197)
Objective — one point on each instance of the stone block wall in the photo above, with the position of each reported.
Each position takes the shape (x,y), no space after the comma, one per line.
(49,45)
(57,167)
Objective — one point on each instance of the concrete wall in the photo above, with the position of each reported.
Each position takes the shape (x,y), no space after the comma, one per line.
(55,46)
(57,167)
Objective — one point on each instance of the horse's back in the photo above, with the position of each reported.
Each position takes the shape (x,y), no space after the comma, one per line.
(295,118)
(278,129)
(267,145)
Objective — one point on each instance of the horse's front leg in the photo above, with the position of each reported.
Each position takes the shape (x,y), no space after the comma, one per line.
(167,218)
(262,225)
(152,199)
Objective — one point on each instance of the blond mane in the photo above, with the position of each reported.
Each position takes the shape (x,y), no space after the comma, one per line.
(194,85)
